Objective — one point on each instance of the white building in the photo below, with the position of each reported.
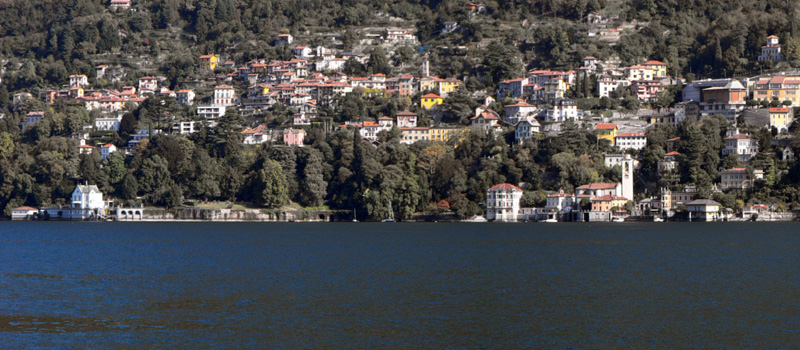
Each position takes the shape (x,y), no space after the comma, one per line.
(519,110)
(560,200)
(87,197)
(743,145)
(210,111)
(78,80)
(107,124)
(502,202)
(185,97)
(184,128)
(148,83)
(224,95)
(563,110)
(771,51)
(406,119)
(628,141)
(611,160)
(703,210)
(303,52)
(607,86)
(24,213)
(107,149)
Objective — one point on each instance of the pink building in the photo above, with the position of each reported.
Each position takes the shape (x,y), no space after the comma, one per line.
(294,137)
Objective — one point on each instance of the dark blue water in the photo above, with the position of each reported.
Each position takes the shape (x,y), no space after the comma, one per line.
(399,286)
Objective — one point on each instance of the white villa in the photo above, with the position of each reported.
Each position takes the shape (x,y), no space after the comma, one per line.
(502,202)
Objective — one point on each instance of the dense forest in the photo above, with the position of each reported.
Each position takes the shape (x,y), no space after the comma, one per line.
(43,42)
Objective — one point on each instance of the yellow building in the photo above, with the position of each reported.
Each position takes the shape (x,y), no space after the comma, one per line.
(209,61)
(446,86)
(778,87)
(446,134)
(607,202)
(608,132)
(780,118)
(427,83)
(430,100)
(659,68)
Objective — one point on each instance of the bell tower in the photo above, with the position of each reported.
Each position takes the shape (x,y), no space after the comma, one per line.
(627,177)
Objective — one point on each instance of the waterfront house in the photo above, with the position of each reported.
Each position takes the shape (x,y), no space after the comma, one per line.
(556,202)
(24,213)
(608,202)
(703,210)
(502,202)
(87,197)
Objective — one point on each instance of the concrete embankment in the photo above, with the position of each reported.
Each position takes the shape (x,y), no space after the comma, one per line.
(215,214)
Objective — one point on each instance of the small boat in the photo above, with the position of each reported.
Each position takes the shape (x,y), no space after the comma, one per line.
(354,215)
(618,219)
(657,219)
(551,220)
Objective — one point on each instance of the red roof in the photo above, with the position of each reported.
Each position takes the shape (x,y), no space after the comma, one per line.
(598,186)
(736,169)
(606,126)
(206,56)
(406,114)
(224,87)
(505,187)
(431,96)
(673,153)
(24,208)
(779,110)
(674,139)
(384,118)
(654,63)
(608,197)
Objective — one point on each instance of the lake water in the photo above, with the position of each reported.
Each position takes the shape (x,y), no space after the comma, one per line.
(399,286)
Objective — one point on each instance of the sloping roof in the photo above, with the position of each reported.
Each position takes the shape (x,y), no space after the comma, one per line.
(26,208)
(88,188)
(631,134)
(704,202)
(608,197)
(598,186)
(654,63)
(739,137)
(778,110)
(505,187)
(606,126)
(431,95)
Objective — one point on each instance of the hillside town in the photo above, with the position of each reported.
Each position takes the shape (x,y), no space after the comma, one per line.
(652,145)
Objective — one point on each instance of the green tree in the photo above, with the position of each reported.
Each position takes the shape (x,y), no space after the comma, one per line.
(270,185)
